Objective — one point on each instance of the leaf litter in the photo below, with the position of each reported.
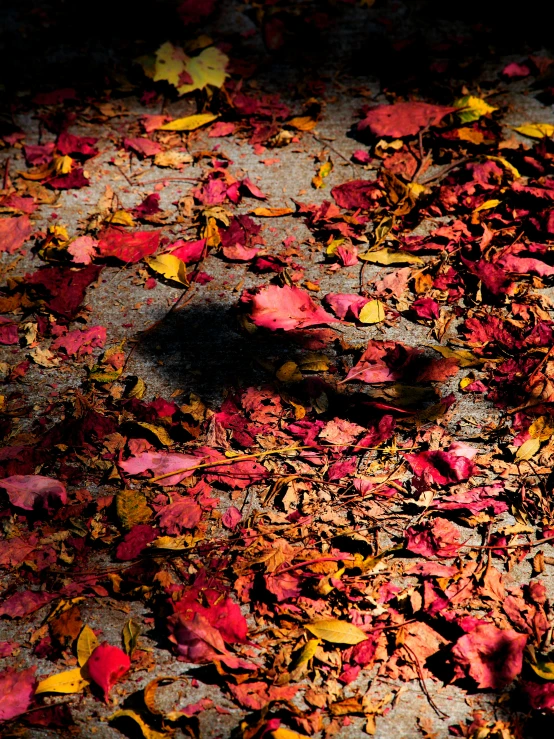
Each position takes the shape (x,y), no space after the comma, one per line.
(316,540)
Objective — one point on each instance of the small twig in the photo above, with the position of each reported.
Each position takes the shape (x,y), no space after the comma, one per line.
(421,678)
(444,171)
(333,149)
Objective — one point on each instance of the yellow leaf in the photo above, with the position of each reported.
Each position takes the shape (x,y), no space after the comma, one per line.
(289,372)
(465,381)
(323,172)
(159,432)
(528,449)
(271,212)
(131,508)
(314,362)
(487,205)
(505,163)
(122,218)
(333,245)
(138,389)
(308,651)
(86,644)
(336,632)
(147,731)
(284,733)
(62,165)
(302,123)
(416,189)
(168,64)
(171,267)
(71,681)
(390,256)
(544,670)
(171,64)
(131,633)
(208,68)
(210,232)
(536,130)
(372,312)
(171,542)
(189,123)
(472,108)
(464,357)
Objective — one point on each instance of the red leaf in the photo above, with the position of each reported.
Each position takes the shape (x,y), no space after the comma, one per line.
(68,144)
(78,343)
(143,147)
(8,332)
(22,604)
(160,463)
(135,541)
(182,513)
(403,119)
(14,232)
(287,307)
(455,465)
(128,247)
(16,692)
(357,194)
(33,491)
(106,665)
(492,657)
(384,361)
(62,289)
(431,539)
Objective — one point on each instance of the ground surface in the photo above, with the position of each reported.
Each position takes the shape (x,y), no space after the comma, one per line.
(410,493)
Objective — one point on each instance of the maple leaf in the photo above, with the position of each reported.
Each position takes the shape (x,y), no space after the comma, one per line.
(181,513)
(437,538)
(384,361)
(83,249)
(286,307)
(187,73)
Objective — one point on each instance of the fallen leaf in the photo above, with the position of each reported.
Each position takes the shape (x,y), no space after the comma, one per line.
(336,631)
(189,123)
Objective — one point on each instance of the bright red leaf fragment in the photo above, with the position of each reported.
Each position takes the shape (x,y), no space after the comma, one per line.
(106,665)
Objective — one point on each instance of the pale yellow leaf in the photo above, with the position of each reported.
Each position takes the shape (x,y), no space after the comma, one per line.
(388,256)
(189,123)
(536,130)
(372,312)
(506,164)
(208,68)
(308,651)
(335,631)
(544,670)
(131,633)
(86,644)
(171,267)
(70,681)
(528,449)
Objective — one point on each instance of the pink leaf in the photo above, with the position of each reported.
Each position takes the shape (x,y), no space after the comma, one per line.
(431,539)
(16,692)
(31,491)
(160,463)
(14,232)
(287,308)
(231,517)
(492,657)
(83,249)
(188,251)
(106,665)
